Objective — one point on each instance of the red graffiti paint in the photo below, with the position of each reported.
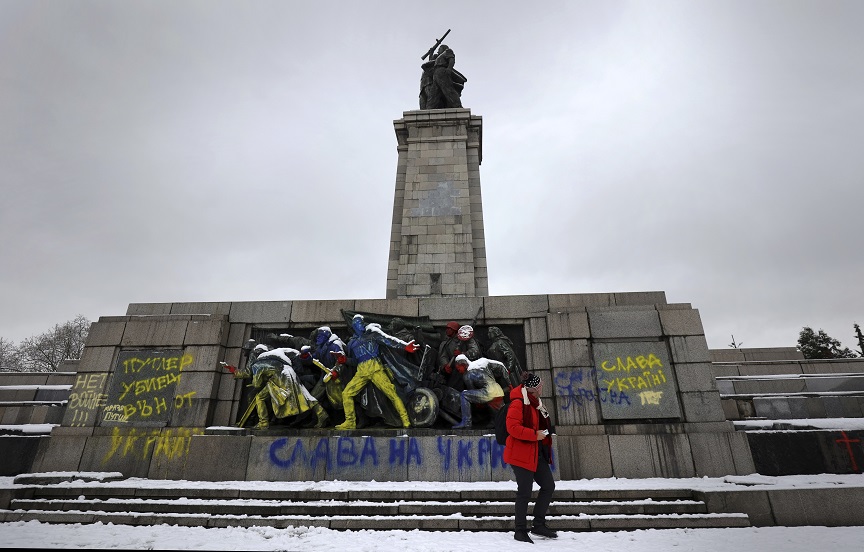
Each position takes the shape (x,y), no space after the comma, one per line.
(848,442)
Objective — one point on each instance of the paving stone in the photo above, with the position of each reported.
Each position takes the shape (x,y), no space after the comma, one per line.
(689,349)
(260,312)
(715,456)
(640,298)
(568,325)
(148,309)
(212,332)
(751,502)
(570,353)
(695,377)
(624,323)
(460,309)
(535,330)
(223,308)
(393,307)
(97,359)
(702,406)
(104,333)
(304,312)
(819,507)
(60,453)
(537,357)
(516,306)
(681,322)
(584,456)
(576,302)
(641,456)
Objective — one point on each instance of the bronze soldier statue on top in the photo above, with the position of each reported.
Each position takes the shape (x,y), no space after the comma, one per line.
(441,85)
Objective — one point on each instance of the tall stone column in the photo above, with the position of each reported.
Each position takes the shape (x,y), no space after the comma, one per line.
(437,243)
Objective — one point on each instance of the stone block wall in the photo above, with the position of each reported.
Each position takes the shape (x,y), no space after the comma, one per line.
(628,384)
(437,243)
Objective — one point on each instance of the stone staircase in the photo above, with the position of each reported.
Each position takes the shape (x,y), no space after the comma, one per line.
(438,510)
(800,416)
(791,389)
(33,402)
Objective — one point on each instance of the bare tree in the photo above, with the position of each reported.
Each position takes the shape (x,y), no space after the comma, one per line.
(735,345)
(860,337)
(8,356)
(45,352)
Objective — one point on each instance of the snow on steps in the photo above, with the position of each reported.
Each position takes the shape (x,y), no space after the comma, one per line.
(470,510)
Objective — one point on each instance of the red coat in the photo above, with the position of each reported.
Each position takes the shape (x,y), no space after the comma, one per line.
(522,444)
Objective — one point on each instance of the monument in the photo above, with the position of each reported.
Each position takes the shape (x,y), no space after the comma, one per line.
(630,386)
(437,241)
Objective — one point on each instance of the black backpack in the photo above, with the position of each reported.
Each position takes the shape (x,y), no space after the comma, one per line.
(501,423)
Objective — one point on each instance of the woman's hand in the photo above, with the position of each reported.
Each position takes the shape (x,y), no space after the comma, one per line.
(542,434)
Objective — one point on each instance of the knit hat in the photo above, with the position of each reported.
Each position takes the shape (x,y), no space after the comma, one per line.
(532,380)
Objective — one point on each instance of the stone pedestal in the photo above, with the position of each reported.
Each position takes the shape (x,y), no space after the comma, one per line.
(437,244)
(630,390)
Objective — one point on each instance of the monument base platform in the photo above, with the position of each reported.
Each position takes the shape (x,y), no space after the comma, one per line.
(629,388)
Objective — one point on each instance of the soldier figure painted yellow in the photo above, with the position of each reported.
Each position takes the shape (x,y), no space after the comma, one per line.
(484,382)
(364,354)
(272,372)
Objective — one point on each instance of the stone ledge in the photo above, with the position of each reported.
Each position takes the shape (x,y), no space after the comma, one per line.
(52,478)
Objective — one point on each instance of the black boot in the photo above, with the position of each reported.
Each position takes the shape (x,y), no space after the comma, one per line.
(544,531)
(522,536)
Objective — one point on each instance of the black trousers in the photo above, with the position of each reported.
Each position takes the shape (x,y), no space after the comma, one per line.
(524,484)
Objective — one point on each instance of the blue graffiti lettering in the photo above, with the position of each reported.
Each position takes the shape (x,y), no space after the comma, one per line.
(397,451)
(345,453)
(573,393)
(398,454)
(489,452)
(279,444)
(321,453)
(464,454)
(369,451)
(484,450)
(615,397)
(442,452)
(497,454)
(413,452)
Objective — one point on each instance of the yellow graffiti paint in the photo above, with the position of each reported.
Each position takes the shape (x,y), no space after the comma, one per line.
(167,364)
(115,413)
(148,385)
(79,418)
(639,362)
(650,397)
(89,381)
(184,399)
(169,443)
(86,395)
(88,400)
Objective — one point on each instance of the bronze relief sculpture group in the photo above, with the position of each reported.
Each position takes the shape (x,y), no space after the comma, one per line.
(398,376)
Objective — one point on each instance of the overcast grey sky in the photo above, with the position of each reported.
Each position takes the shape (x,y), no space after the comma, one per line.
(183,150)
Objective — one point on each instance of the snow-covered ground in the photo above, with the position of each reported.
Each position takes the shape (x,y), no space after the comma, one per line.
(33,534)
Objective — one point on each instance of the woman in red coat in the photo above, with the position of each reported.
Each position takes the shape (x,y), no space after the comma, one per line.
(529,452)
